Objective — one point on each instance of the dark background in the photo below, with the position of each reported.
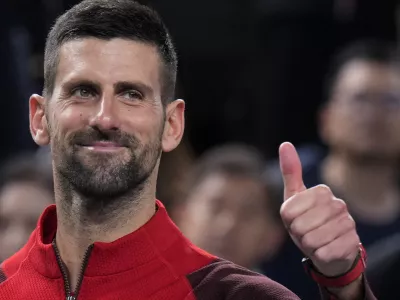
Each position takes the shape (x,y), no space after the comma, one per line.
(250,71)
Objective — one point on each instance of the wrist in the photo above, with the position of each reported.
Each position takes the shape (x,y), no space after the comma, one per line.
(355,272)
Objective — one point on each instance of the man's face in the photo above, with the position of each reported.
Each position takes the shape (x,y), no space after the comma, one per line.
(227,216)
(21,205)
(363,116)
(105,118)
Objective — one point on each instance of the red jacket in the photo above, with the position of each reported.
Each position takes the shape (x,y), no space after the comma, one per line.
(155,262)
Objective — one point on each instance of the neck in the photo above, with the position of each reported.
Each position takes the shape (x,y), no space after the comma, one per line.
(80,225)
(368,186)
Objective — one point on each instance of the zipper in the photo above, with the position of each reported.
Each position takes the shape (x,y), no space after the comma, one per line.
(72,295)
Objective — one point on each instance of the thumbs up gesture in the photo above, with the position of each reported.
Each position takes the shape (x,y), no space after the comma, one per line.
(318,222)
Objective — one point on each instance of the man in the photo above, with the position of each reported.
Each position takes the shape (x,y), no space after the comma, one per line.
(26,189)
(229,209)
(107,112)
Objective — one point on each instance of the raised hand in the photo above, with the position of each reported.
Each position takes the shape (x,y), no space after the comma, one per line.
(318,222)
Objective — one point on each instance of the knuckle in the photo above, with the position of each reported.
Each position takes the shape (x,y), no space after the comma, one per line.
(323,191)
(339,205)
(322,255)
(328,256)
(352,223)
(352,246)
(308,242)
(286,213)
(356,240)
(348,222)
(296,228)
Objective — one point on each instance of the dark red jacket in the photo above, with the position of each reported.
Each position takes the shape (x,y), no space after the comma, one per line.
(155,262)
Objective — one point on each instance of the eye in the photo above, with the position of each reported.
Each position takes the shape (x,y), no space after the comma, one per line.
(132,95)
(83,93)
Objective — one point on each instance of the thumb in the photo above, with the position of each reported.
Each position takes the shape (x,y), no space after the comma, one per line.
(291,170)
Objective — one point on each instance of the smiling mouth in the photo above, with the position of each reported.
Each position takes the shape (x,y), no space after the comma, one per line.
(102,146)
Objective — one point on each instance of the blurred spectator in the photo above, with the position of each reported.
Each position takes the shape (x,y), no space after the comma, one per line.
(359,123)
(173,170)
(26,188)
(229,211)
(297,40)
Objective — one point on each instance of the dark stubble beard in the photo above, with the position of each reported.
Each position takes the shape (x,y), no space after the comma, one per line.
(107,182)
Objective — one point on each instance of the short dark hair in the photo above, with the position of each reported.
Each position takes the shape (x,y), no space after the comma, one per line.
(106,19)
(27,168)
(236,160)
(373,51)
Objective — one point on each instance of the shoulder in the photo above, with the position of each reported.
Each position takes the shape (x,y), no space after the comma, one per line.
(222,279)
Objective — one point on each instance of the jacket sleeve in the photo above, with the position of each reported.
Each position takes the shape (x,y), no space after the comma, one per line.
(223,280)
(368,294)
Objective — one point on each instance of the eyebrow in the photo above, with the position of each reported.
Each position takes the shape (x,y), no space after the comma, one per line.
(119,87)
(123,86)
(69,85)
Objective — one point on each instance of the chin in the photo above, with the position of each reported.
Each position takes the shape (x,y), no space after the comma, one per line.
(102,189)
(104,161)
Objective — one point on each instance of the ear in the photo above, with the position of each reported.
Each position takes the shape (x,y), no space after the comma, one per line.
(174,125)
(38,121)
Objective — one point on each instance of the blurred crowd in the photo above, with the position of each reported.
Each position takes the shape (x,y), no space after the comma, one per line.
(322,74)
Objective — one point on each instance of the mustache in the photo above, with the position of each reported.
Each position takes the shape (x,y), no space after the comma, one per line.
(92,135)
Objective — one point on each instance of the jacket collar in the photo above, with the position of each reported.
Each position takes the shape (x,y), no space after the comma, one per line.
(131,251)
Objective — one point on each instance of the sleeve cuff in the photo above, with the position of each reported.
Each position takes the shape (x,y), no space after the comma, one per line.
(368,295)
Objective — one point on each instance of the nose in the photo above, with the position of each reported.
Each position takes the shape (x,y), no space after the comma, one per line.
(105,116)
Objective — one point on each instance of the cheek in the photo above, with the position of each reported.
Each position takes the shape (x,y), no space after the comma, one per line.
(340,126)
(73,116)
(68,119)
(253,231)
(145,122)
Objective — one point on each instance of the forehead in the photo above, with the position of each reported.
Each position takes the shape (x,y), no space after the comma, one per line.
(109,61)
(368,75)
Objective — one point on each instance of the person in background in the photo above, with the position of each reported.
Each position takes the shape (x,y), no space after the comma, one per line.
(360,124)
(174,167)
(229,210)
(26,189)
